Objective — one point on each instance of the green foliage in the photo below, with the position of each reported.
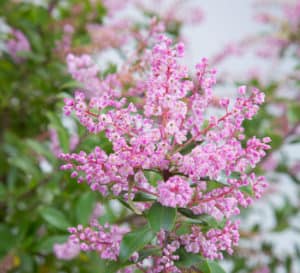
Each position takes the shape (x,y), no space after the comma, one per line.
(37,201)
(84,207)
(211,267)
(135,241)
(55,218)
(205,220)
(188,259)
(161,217)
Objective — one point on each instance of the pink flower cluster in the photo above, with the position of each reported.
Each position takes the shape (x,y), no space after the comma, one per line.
(104,240)
(212,243)
(17,43)
(174,192)
(168,257)
(84,71)
(204,161)
(66,251)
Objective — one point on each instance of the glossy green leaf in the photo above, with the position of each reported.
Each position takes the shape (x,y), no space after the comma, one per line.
(144,253)
(203,219)
(188,259)
(153,177)
(55,218)
(211,267)
(40,149)
(62,132)
(135,241)
(84,207)
(247,189)
(113,267)
(71,85)
(141,196)
(161,217)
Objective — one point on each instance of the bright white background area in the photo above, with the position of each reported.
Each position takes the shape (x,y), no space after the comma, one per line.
(224,21)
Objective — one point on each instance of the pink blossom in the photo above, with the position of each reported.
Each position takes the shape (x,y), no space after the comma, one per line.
(168,132)
(66,251)
(174,192)
(104,240)
(212,243)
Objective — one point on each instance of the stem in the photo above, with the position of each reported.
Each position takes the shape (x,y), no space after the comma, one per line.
(145,191)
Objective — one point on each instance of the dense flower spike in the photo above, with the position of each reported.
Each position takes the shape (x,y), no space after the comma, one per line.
(203,162)
(102,239)
(213,242)
(174,192)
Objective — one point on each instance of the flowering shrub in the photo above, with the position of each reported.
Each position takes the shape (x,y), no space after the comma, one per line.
(184,171)
(37,201)
(165,168)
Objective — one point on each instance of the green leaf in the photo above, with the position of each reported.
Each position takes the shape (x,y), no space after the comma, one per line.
(143,254)
(55,218)
(111,69)
(213,184)
(142,197)
(294,113)
(26,164)
(62,132)
(84,207)
(247,189)
(113,267)
(71,85)
(39,148)
(187,213)
(277,139)
(211,267)
(203,219)
(152,177)
(124,203)
(188,259)
(183,228)
(7,239)
(161,217)
(135,241)
(208,221)
(31,55)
